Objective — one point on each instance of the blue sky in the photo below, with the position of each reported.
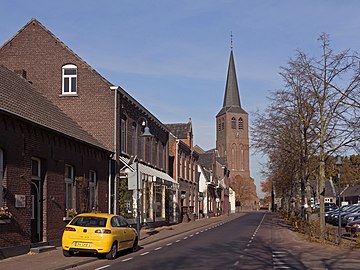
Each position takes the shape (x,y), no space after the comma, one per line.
(172,56)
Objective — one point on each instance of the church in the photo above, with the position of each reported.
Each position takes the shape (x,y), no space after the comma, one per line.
(232,141)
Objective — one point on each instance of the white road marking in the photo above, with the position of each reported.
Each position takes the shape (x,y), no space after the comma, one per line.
(145,253)
(158,248)
(102,267)
(191,235)
(197,233)
(177,241)
(185,238)
(128,259)
(236,263)
(169,244)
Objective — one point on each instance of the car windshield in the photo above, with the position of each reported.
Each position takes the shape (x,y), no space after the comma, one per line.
(84,221)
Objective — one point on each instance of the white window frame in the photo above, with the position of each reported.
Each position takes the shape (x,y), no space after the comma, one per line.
(1,176)
(70,77)
(92,190)
(69,187)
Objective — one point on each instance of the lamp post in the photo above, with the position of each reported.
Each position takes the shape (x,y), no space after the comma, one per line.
(338,164)
(146,134)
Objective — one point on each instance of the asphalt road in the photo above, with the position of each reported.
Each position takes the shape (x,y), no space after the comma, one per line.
(252,241)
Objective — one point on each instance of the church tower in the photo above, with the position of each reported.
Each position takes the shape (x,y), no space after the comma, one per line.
(232,138)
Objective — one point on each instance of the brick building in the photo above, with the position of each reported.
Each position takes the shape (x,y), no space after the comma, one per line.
(183,159)
(48,164)
(105,111)
(214,184)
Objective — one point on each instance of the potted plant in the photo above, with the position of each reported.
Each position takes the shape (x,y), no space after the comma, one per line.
(5,215)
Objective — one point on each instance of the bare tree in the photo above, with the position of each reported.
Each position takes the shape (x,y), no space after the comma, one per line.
(316,115)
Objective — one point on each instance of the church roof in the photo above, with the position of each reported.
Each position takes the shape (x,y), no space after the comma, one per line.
(232,97)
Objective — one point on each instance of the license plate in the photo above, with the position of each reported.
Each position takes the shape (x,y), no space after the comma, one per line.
(79,244)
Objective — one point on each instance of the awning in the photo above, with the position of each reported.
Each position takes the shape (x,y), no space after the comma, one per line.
(158,176)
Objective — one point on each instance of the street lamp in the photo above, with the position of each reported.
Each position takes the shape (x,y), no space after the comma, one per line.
(338,164)
(146,134)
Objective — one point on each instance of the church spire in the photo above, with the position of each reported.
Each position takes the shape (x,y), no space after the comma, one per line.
(232,97)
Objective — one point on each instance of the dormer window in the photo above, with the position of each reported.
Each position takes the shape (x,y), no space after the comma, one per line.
(69,77)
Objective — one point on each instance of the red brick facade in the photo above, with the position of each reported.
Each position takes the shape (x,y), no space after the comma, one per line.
(21,141)
(41,56)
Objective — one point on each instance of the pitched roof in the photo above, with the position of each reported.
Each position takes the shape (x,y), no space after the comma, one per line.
(352,191)
(206,173)
(127,95)
(20,99)
(232,97)
(206,160)
(329,188)
(180,130)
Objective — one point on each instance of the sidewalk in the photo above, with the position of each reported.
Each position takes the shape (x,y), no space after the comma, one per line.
(55,260)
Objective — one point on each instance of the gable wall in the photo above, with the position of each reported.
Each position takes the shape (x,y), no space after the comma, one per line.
(42,57)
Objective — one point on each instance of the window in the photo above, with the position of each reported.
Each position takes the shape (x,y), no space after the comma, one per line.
(1,175)
(241,123)
(219,125)
(134,139)
(233,123)
(123,135)
(222,124)
(69,77)
(155,159)
(35,169)
(69,181)
(92,190)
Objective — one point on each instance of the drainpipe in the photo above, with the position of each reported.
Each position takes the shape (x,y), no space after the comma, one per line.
(115,88)
(109,184)
(176,199)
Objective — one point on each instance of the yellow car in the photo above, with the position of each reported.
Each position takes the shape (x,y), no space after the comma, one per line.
(100,234)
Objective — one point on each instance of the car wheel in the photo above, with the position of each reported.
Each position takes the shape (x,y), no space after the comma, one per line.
(135,245)
(113,251)
(67,253)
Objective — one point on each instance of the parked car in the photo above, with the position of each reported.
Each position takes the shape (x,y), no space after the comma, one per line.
(352,209)
(350,217)
(353,227)
(100,234)
(328,207)
(329,215)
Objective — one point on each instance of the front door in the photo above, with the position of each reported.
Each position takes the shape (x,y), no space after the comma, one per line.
(35,211)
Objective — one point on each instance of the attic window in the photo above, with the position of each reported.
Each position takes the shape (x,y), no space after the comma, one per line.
(69,77)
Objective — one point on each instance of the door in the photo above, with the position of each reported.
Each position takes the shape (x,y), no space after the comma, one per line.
(35,211)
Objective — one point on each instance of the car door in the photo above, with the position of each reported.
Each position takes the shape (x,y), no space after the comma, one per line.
(128,232)
(117,232)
